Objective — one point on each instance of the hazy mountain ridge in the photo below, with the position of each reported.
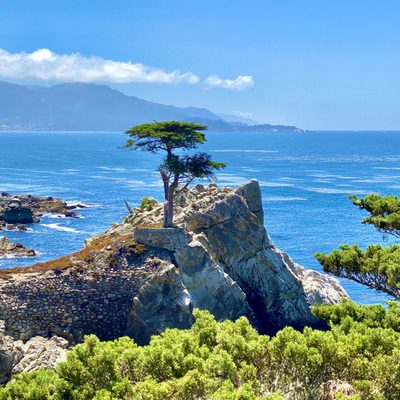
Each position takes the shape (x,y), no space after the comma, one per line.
(90,107)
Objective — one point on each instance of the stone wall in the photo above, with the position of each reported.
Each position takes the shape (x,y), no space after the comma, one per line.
(71,303)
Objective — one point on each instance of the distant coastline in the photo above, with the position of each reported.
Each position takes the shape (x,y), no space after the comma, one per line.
(79,107)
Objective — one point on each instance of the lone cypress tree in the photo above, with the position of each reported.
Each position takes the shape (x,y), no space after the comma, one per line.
(177,171)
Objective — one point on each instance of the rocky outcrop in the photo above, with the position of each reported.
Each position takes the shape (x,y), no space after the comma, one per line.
(13,212)
(38,352)
(12,227)
(229,265)
(26,209)
(138,278)
(10,249)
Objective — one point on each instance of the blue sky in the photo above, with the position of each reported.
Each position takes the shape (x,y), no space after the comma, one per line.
(314,64)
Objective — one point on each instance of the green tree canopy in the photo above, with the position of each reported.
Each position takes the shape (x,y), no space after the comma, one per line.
(177,170)
(378,267)
(166,136)
(384,212)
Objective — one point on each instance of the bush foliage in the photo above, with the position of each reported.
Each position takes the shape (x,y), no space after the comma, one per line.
(231,361)
(147,203)
(384,212)
(378,267)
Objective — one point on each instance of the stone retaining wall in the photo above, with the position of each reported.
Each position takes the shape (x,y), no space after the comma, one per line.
(70,304)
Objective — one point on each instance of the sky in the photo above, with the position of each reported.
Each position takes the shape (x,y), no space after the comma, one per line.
(316,64)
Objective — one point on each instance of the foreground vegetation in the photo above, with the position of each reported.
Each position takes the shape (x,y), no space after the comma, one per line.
(231,361)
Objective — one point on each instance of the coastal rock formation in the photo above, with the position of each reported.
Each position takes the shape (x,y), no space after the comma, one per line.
(229,265)
(38,352)
(13,212)
(138,278)
(26,209)
(12,227)
(10,249)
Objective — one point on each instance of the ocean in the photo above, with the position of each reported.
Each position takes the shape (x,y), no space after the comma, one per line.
(305,179)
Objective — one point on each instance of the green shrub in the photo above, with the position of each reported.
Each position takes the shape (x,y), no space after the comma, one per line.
(136,248)
(231,361)
(147,203)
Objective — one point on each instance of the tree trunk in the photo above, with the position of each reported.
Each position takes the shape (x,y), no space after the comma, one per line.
(165,180)
(169,208)
(169,192)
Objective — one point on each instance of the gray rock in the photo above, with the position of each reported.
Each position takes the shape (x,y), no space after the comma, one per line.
(161,303)
(9,355)
(10,249)
(13,212)
(26,209)
(164,238)
(229,265)
(252,193)
(38,352)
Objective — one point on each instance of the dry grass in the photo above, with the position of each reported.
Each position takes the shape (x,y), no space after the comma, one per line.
(106,243)
(154,225)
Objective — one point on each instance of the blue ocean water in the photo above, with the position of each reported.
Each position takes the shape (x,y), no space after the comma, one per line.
(305,180)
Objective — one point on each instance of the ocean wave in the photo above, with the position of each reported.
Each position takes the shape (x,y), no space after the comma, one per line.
(244,151)
(118,169)
(142,170)
(54,216)
(108,178)
(333,176)
(74,203)
(248,169)
(272,198)
(4,187)
(16,256)
(61,228)
(371,180)
(324,180)
(331,190)
(275,184)
(284,178)
(330,159)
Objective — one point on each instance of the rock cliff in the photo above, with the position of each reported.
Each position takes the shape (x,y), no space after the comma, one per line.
(138,278)
(226,263)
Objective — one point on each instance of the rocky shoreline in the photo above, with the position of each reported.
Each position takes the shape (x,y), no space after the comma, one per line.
(10,249)
(138,278)
(19,210)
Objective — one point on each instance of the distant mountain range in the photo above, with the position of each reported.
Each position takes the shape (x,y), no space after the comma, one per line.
(91,107)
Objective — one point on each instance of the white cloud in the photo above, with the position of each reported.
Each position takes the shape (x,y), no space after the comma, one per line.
(45,65)
(242,82)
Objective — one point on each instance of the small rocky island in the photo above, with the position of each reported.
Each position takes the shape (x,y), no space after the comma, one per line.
(17,210)
(137,279)
(10,249)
